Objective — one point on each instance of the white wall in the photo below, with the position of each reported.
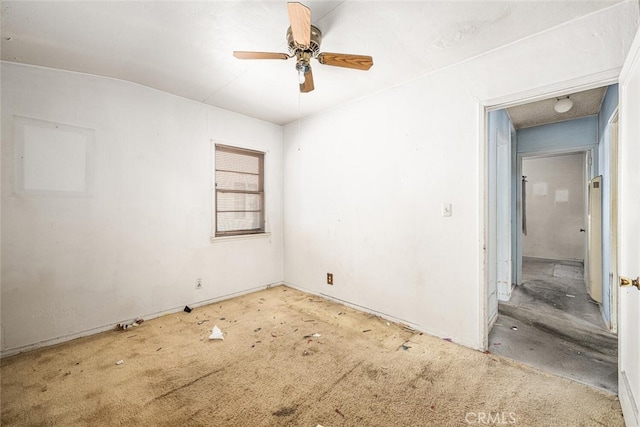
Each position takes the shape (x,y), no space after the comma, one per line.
(136,244)
(365,183)
(555,207)
(368,197)
(364,190)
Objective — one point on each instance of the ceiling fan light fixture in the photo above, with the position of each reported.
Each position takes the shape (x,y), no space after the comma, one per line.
(301,77)
(302,67)
(563,105)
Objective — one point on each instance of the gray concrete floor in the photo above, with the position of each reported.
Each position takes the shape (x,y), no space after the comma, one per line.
(552,324)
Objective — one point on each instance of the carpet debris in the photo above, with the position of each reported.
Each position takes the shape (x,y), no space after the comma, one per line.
(187,309)
(216,334)
(316,335)
(125,326)
(285,411)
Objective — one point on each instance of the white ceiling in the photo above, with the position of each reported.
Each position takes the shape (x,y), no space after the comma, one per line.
(185,48)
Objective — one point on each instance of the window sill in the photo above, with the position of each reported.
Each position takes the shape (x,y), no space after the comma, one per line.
(240,237)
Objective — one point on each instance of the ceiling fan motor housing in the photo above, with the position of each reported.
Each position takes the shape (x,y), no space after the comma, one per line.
(314,45)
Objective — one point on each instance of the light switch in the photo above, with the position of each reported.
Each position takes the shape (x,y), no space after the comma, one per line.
(447,209)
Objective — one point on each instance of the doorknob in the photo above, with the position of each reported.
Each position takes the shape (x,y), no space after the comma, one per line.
(624,281)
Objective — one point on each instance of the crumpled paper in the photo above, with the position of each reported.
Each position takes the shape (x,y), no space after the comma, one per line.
(216,334)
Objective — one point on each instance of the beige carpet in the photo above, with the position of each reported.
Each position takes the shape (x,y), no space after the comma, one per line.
(266,373)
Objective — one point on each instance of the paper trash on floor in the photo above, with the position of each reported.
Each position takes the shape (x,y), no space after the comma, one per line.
(216,334)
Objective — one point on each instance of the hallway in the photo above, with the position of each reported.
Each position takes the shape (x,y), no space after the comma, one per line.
(552,324)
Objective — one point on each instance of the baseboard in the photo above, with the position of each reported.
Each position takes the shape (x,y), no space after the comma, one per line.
(493,320)
(418,328)
(53,341)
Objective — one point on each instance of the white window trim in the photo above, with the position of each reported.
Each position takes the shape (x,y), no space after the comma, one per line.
(217,239)
(253,236)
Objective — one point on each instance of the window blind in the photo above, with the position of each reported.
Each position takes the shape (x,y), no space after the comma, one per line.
(239,191)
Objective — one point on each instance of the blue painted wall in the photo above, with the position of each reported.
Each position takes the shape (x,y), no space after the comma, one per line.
(579,134)
(609,104)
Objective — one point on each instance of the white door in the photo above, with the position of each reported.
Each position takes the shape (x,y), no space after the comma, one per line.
(594,237)
(629,236)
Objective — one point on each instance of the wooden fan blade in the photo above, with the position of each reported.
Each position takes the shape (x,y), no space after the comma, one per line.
(359,62)
(307,86)
(300,19)
(259,55)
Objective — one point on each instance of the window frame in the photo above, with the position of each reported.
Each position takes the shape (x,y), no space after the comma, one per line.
(260,155)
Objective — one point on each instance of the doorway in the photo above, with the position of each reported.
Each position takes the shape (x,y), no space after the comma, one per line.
(548,319)
(554,210)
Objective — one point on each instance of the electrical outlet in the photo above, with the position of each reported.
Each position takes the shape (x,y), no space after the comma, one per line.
(198,283)
(447,209)
(329,278)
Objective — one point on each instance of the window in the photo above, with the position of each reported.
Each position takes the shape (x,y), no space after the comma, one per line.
(239,194)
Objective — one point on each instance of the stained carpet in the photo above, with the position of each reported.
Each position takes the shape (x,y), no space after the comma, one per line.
(287,359)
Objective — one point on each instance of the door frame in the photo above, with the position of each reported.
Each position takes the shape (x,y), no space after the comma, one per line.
(484,107)
(612,124)
(586,176)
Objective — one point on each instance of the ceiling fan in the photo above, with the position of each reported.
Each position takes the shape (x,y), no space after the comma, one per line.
(304,43)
